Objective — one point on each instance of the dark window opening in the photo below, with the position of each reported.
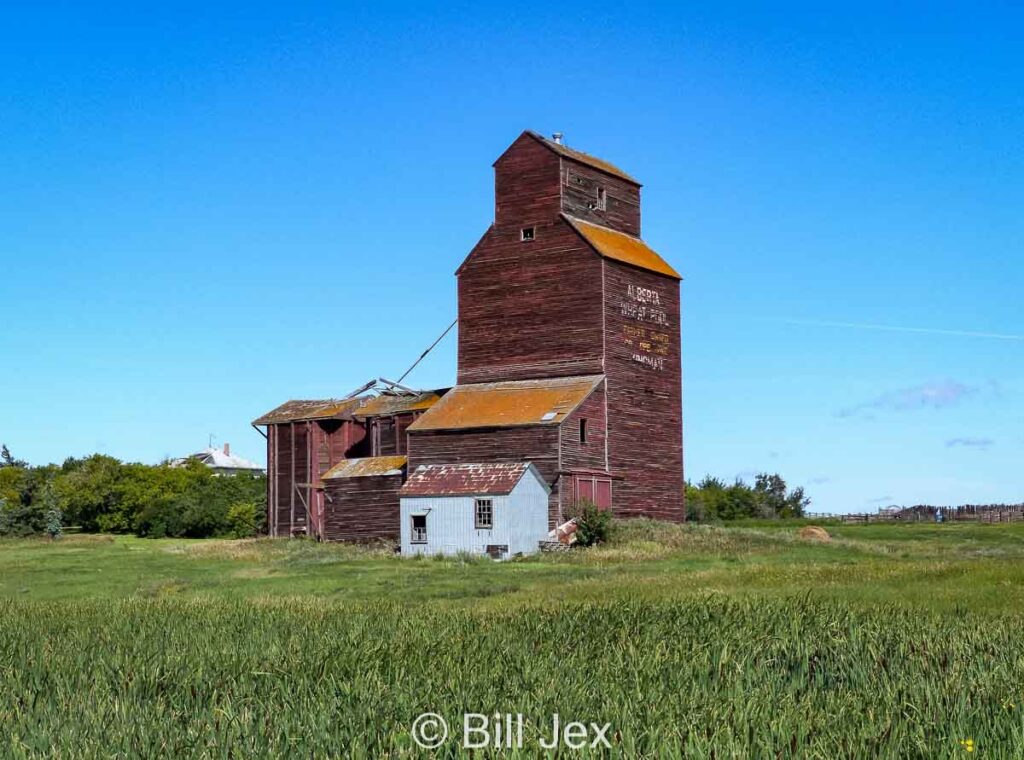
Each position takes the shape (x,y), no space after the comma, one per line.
(602,199)
(583,430)
(484,514)
(419,529)
(527,233)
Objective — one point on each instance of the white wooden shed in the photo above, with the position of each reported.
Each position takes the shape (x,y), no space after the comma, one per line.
(500,509)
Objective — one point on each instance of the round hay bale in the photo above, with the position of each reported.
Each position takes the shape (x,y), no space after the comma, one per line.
(814,533)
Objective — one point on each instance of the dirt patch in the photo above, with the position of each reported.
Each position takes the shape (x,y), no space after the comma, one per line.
(814,533)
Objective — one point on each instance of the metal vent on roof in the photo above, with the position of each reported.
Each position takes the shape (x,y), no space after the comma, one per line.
(548,416)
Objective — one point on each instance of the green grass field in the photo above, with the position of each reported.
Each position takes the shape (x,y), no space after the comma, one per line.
(695,641)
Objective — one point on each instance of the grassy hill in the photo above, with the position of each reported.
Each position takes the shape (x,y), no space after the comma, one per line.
(891,640)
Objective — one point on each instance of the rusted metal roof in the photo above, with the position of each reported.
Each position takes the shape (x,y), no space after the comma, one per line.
(302,410)
(365,468)
(508,404)
(494,479)
(387,404)
(613,244)
(583,158)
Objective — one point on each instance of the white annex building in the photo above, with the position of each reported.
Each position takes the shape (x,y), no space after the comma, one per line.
(499,509)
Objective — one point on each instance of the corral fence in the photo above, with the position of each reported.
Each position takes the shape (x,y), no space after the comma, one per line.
(986,513)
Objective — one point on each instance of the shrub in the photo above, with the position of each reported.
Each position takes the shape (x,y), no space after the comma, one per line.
(20,520)
(593,525)
(246,519)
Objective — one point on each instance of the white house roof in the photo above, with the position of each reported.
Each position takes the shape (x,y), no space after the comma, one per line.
(217,459)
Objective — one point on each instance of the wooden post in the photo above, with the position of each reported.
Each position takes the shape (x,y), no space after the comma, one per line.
(292,486)
(272,483)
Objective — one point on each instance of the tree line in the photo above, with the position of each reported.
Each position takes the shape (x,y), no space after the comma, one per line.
(102,494)
(769,497)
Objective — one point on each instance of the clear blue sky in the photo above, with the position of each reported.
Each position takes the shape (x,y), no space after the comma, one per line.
(207,209)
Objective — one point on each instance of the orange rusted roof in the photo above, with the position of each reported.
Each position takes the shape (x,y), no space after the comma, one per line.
(613,244)
(387,404)
(296,410)
(583,158)
(365,468)
(508,404)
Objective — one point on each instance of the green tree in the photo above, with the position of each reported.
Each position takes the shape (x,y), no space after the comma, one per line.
(7,460)
(87,491)
(593,525)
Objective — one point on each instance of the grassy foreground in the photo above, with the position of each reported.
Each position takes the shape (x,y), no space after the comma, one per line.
(894,641)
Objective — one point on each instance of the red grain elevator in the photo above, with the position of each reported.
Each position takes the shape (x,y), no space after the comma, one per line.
(562,285)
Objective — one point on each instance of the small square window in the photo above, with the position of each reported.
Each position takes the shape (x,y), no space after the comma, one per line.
(419,529)
(583,430)
(602,199)
(484,514)
(527,233)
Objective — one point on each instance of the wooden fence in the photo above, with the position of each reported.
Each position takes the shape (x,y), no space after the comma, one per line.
(928,514)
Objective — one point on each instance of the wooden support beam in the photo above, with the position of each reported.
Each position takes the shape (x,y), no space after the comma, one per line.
(291,485)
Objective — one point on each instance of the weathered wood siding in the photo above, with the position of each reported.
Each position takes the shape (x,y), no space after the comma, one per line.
(362,509)
(298,453)
(282,516)
(528,309)
(644,386)
(591,455)
(527,187)
(580,185)
(537,444)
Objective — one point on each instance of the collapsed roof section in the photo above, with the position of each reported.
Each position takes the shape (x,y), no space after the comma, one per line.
(377,398)
(302,410)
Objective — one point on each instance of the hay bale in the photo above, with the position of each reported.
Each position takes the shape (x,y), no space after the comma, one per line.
(814,533)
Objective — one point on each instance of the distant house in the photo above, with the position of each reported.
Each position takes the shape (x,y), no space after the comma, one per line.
(500,509)
(221,461)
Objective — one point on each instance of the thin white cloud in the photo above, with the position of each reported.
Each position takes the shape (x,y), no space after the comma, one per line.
(970,443)
(904,329)
(935,395)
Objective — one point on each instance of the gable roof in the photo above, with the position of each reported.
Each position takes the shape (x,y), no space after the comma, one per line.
(613,244)
(296,410)
(493,479)
(366,467)
(583,158)
(508,404)
(219,460)
(387,404)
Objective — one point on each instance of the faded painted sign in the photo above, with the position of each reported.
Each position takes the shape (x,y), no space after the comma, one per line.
(648,344)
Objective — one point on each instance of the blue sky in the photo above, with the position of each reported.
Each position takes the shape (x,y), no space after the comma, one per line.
(206,210)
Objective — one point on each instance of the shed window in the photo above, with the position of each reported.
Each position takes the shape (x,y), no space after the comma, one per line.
(602,199)
(419,529)
(484,514)
(583,430)
(527,233)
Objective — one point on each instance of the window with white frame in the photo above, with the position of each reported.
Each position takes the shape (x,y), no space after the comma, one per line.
(419,529)
(484,514)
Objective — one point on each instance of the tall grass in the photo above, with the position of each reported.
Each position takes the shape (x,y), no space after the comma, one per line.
(698,677)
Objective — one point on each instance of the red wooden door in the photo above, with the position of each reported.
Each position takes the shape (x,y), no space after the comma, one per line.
(584,489)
